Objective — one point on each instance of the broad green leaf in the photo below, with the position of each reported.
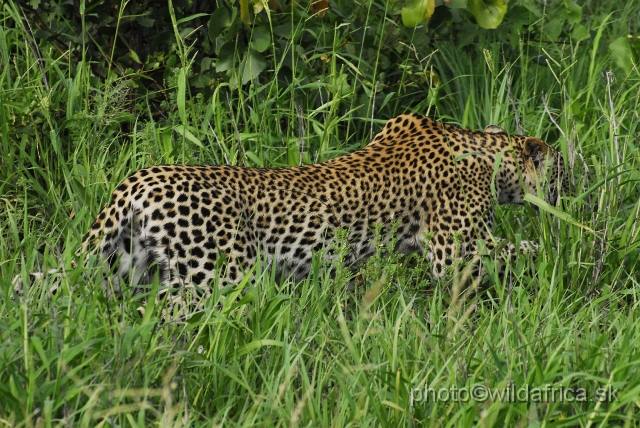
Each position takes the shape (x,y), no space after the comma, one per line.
(286,30)
(574,12)
(488,13)
(134,56)
(253,65)
(622,54)
(431,7)
(220,19)
(260,38)
(145,21)
(580,32)
(205,64)
(545,206)
(171,60)
(553,28)
(415,11)
(226,57)
(259,6)
(457,4)
(244,12)
(467,34)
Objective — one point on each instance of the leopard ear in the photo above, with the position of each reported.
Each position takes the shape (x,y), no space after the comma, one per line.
(494,129)
(535,149)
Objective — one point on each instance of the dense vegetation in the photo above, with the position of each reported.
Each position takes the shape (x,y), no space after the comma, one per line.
(90,92)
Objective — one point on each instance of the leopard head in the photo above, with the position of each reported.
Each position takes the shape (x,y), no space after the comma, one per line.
(543,166)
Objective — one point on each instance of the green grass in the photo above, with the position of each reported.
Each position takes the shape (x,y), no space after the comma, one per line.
(333,349)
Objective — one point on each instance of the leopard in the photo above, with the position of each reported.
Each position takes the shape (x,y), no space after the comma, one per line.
(196,227)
